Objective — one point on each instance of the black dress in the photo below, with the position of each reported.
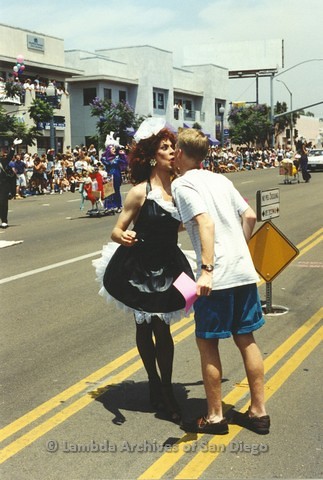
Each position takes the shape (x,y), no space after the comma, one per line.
(141,277)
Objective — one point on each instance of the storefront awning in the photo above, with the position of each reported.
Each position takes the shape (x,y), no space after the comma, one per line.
(214,141)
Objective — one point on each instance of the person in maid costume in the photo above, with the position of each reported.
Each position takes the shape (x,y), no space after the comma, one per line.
(139,268)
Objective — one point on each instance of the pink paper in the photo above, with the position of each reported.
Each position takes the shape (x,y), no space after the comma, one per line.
(187,287)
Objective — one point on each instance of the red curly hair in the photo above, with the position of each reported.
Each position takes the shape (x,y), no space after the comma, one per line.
(142,152)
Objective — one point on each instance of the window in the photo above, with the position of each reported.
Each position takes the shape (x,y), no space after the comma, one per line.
(161,101)
(188,109)
(88,95)
(107,94)
(188,105)
(158,100)
(122,96)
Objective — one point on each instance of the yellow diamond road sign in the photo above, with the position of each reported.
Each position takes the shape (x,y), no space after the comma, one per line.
(271,251)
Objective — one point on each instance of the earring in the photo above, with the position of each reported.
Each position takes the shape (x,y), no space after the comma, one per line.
(153,162)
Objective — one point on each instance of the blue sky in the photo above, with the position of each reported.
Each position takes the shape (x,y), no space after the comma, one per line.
(172,24)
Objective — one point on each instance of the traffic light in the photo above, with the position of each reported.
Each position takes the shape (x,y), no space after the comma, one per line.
(287,133)
(295,133)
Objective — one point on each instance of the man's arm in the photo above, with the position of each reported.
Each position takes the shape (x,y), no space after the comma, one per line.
(248,223)
(206,232)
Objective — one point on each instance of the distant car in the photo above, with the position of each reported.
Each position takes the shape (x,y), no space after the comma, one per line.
(315,159)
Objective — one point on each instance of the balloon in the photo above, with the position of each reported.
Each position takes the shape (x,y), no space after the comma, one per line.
(20,58)
(15,68)
(22,67)
(18,65)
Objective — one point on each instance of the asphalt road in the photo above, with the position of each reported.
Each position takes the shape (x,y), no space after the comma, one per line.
(74,394)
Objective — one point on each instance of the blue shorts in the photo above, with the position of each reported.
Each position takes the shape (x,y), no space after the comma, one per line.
(229,311)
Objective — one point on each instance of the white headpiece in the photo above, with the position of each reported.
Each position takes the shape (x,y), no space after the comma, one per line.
(150,126)
(110,140)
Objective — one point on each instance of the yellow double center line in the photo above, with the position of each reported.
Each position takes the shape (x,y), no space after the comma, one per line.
(26,439)
(202,460)
(57,401)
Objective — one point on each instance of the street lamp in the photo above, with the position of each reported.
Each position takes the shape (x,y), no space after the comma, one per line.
(291,115)
(52,100)
(221,111)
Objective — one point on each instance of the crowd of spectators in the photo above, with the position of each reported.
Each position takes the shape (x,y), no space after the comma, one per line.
(55,174)
(226,160)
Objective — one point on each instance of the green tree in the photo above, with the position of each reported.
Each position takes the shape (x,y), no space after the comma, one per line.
(250,125)
(11,127)
(40,111)
(13,89)
(114,117)
(7,122)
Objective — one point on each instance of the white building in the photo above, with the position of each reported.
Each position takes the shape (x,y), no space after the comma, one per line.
(311,129)
(44,61)
(144,76)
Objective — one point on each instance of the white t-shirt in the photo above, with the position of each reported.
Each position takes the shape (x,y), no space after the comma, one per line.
(200,191)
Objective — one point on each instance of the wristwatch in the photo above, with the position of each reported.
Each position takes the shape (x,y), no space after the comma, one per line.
(208,267)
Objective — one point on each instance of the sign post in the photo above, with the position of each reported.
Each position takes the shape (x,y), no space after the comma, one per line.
(271,251)
(269,297)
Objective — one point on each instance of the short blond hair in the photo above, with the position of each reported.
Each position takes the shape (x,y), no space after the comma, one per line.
(194,143)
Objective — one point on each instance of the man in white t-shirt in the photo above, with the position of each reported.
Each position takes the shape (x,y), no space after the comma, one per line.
(220,223)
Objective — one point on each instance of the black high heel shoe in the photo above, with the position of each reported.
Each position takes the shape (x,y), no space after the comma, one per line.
(155,393)
(171,406)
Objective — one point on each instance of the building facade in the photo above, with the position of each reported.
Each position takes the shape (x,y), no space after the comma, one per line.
(144,76)
(44,62)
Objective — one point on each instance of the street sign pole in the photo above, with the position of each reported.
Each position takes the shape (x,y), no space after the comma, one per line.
(269,297)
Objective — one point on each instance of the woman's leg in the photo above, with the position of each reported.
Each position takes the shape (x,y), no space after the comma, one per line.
(164,349)
(147,352)
(146,348)
(165,356)
(117,196)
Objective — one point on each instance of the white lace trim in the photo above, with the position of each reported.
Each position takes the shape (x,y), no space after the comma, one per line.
(100,265)
(157,196)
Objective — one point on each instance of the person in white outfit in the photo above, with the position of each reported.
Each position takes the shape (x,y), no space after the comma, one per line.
(220,223)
